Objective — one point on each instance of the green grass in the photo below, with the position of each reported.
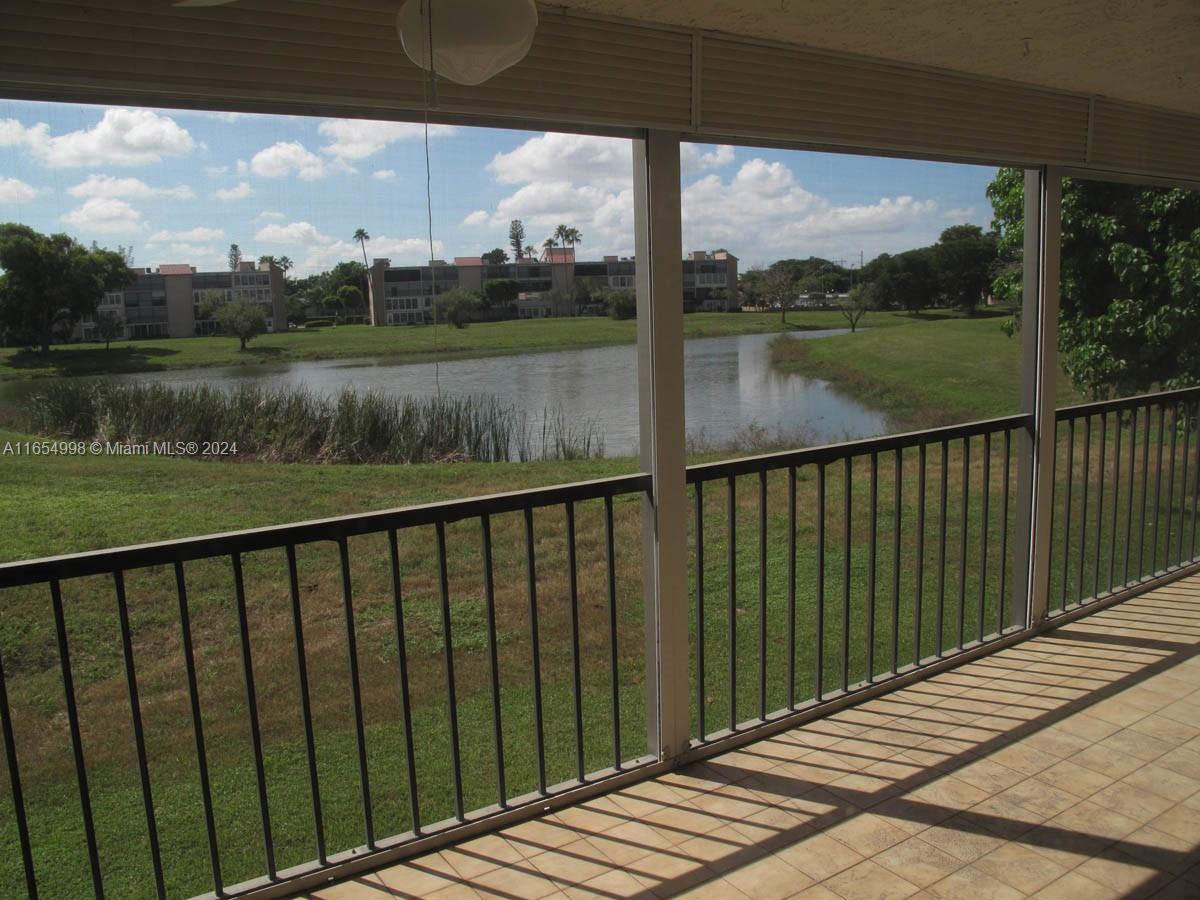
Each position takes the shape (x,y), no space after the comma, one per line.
(72,504)
(931,372)
(404,343)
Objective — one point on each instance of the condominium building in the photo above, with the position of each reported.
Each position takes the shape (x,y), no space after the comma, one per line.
(173,300)
(556,284)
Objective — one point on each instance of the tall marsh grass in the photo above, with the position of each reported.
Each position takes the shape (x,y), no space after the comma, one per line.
(296,425)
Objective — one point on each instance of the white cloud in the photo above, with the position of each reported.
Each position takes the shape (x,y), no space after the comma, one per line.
(384,175)
(478,217)
(316,251)
(268,215)
(360,138)
(105,215)
(692,161)
(13,190)
(285,158)
(240,191)
(215,171)
(192,235)
(108,186)
(122,137)
(566,157)
(243,167)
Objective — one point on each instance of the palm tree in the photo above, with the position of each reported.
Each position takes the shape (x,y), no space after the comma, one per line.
(529,250)
(574,237)
(548,244)
(562,234)
(284,262)
(268,259)
(360,235)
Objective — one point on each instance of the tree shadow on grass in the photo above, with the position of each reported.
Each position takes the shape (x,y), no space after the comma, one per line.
(93,360)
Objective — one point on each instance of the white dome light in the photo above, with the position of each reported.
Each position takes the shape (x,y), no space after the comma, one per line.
(473,40)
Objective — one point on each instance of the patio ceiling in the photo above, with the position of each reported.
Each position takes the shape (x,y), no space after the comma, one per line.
(1139,52)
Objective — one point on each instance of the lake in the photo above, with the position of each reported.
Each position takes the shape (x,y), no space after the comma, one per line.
(731,389)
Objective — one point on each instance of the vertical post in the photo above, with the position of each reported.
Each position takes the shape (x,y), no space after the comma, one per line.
(1039,368)
(659,248)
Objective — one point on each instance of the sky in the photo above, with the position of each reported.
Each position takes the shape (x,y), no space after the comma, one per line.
(179,186)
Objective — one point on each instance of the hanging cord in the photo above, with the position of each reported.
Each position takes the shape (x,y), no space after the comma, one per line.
(429,90)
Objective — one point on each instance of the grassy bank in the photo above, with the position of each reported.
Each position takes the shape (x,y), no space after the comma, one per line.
(408,343)
(926,374)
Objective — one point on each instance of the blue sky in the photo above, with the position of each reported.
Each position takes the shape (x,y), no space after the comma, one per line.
(180,186)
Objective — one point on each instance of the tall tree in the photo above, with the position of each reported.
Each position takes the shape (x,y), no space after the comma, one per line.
(268,259)
(285,263)
(561,234)
(964,256)
(495,257)
(574,237)
(235,257)
(548,244)
(516,237)
(110,324)
(529,251)
(49,282)
(242,319)
(1130,281)
(360,235)
(779,288)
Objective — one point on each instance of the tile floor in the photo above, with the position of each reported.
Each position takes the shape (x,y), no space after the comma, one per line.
(1066,766)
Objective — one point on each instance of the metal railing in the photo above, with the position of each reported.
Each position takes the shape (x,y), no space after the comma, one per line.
(175,560)
(354,687)
(875,600)
(1127,476)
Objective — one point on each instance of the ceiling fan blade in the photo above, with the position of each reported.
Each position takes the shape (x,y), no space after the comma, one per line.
(203,2)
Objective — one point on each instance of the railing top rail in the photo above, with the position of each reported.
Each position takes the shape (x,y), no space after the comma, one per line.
(1122,403)
(832,452)
(99,562)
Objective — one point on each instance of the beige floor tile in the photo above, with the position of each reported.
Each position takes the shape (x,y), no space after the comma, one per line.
(819,857)
(867,834)
(612,884)
(1074,886)
(571,864)
(962,837)
(1181,821)
(1020,867)
(1076,779)
(816,892)
(1106,761)
(515,881)
(918,862)
(716,888)
(769,878)
(972,882)
(721,850)
(1130,801)
(1131,876)
(870,881)
(1163,782)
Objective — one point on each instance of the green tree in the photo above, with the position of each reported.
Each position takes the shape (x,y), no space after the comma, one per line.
(964,256)
(500,292)
(109,325)
(856,305)
(548,244)
(1130,281)
(235,257)
(779,288)
(297,309)
(349,297)
(285,263)
(495,257)
(908,280)
(457,307)
(516,237)
(360,235)
(242,319)
(49,282)
(621,303)
(574,237)
(268,259)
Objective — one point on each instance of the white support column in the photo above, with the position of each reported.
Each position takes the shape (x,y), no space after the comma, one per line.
(659,248)
(1039,373)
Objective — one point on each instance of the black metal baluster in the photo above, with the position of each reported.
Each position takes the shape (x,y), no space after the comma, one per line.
(920,554)
(872,548)
(847,499)
(1195,488)
(941,607)
(305,702)
(1162,430)
(139,735)
(611,558)
(1116,502)
(984,499)
(1066,570)
(260,776)
(360,736)
(405,694)
(1170,485)
(14,781)
(896,502)
(701,698)
(1001,601)
(1145,494)
(1083,514)
(1100,504)
(576,663)
(820,630)
(1133,424)
(731,490)
(539,728)
(489,594)
(791,626)
(762,594)
(962,538)
(1183,482)
(451,694)
(85,803)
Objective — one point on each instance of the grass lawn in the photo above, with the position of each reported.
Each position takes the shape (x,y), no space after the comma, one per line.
(409,342)
(931,372)
(71,504)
